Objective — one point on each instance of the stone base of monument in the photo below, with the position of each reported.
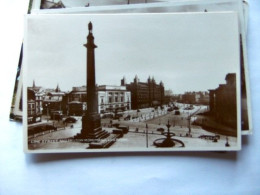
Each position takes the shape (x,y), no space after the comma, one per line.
(94,136)
(91,129)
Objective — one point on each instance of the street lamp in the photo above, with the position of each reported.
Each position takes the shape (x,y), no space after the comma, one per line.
(189,125)
(227,144)
(47,106)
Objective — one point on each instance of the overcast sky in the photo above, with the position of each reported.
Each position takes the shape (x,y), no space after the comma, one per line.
(188,52)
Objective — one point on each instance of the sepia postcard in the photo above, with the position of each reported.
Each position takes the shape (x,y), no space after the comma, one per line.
(72,4)
(184,6)
(138,82)
(16,110)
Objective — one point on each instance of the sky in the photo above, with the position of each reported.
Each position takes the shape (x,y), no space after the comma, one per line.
(187,52)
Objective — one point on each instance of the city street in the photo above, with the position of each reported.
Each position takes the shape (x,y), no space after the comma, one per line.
(136,137)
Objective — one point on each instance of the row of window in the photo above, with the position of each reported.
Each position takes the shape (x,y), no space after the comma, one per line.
(110,99)
(116,93)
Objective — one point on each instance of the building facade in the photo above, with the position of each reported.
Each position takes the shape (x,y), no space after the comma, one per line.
(77,101)
(35,96)
(113,99)
(54,101)
(110,99)
(145,94)
(201,97)
(223,104)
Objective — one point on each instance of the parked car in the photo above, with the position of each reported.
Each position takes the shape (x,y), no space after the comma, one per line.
(118,131)
(115,125)
(108,115)
(128,117)
(177,112)
(56,115)
(70,120)
(160,129)
(123,128)
(170,109)
(118,116)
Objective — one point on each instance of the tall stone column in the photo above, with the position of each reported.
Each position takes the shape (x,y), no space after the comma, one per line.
(91,122)
(91,75)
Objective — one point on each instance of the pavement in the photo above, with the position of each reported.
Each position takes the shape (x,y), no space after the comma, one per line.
(136,139)
(211,125)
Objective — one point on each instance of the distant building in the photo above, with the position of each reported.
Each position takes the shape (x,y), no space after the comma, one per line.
(39,95)
(113,98)
(223,104)
(168,96)
(77,100)
(34,102)
(31,111)
(110,99)
(200,97)
(54,101)
(145,94)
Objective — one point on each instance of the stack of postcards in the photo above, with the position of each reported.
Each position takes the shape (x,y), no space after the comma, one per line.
(133,75)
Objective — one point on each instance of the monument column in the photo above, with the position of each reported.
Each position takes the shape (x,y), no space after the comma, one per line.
(91,122)
(91,76)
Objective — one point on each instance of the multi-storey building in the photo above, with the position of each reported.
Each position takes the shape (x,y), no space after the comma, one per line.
(113,98)
(223,104)
(145,94)
(34,102)
(110,99)
(54,101)
(77,100)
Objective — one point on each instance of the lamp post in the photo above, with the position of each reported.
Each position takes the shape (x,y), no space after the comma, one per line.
(168,129)
(47,106)
(173,122)
(189,119)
